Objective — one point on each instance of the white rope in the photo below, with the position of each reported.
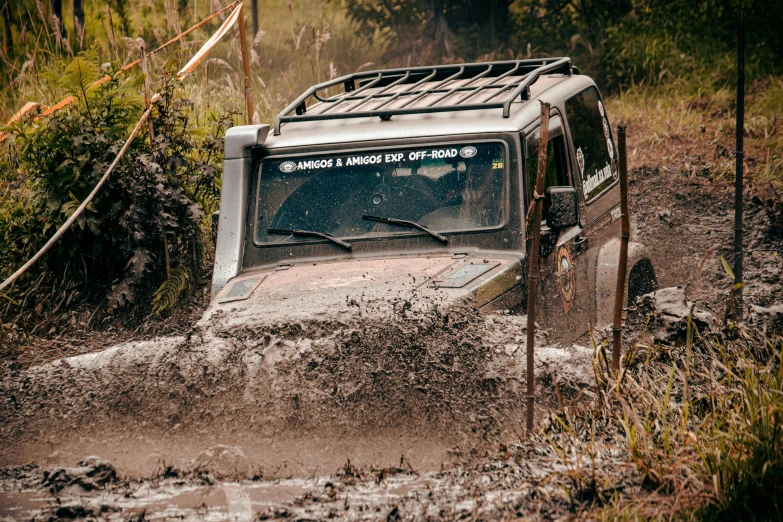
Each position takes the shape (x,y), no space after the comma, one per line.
(65,226)
(209,44)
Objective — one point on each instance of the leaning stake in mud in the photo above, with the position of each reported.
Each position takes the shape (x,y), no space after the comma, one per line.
(532,265)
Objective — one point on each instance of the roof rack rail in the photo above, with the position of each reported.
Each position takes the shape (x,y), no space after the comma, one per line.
(419,90)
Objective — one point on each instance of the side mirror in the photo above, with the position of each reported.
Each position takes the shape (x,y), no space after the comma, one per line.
(561,202)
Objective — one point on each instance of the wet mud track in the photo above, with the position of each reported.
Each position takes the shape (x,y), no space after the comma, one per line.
(296,399)
(306,420)
(527,481)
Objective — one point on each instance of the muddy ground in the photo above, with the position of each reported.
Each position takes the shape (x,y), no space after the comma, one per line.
(417,416)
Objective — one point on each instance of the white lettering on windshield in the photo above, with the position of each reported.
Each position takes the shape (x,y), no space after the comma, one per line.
(371,159)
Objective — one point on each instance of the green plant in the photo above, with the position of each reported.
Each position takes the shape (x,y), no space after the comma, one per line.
(145,230)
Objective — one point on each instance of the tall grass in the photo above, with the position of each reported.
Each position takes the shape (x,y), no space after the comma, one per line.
(702,424)
(307,42)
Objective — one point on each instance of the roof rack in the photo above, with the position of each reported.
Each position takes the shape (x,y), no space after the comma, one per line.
(419,90)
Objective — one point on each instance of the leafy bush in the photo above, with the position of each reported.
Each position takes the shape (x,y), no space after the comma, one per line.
(146,226)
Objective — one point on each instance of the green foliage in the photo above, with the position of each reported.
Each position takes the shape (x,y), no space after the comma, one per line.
(743,451)
(620,43)
(168,294)
(114,255)
(434,30)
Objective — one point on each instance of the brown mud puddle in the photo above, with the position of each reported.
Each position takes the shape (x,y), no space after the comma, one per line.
(529,479)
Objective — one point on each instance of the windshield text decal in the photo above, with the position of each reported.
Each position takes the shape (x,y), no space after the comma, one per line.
(376,159)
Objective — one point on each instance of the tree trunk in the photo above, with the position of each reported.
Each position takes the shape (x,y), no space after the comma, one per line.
(9,38)
(437,28)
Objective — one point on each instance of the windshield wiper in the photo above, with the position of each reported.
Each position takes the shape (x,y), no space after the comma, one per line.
(310,233)
(408,224)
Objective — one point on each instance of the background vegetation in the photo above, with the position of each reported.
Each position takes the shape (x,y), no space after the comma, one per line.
(679,54)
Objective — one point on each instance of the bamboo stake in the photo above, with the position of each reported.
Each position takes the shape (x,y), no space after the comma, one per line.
(533,269)
(246,67)
(739,155)
(622,264)
(147,103)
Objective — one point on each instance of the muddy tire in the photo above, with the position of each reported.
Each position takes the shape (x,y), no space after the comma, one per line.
(641,280)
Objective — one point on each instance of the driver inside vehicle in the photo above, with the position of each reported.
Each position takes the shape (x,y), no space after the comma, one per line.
(470,203)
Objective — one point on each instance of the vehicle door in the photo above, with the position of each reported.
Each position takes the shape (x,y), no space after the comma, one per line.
(563,306)
(594,158)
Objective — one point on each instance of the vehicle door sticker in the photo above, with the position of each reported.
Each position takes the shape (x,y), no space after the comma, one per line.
(608,136)
(566,280)
(596,179)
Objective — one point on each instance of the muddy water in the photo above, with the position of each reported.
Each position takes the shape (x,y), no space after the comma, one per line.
(233,501)
(528,480)
(289,454)
(226,501)
(363,419)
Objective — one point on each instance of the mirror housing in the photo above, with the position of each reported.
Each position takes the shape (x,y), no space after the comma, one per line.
(561,205)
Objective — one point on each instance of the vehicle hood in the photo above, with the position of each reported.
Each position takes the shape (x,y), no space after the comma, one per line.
(350,288)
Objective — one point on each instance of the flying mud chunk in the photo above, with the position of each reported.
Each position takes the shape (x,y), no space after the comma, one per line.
(89,474)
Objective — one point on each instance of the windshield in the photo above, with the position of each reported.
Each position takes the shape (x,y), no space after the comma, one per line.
(444,188)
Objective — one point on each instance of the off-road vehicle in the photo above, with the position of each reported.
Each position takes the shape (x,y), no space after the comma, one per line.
(415,182)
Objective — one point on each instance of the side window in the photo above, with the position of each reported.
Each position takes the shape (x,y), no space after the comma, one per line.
(593,144)
(556,174)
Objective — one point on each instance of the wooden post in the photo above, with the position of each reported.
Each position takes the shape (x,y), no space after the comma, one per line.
(738,175)
(151,130)
(537,207)
(166,255)
(622,264)
(147,81)
(245,66)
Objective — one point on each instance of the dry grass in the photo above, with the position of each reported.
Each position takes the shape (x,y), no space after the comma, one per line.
(295,46)
(693,129)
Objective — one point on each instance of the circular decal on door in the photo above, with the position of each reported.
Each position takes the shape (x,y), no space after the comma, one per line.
(566,281)
(287,167)
(468,152)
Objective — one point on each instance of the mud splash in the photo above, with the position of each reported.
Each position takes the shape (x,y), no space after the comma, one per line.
(296,398)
